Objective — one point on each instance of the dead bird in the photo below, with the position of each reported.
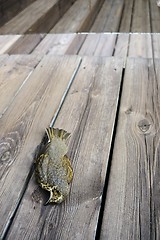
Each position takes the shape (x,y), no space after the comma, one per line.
(53,168)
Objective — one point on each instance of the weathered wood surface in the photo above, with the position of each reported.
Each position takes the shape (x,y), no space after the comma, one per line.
(132,202)
(65,5)
(155,17)
(89,114)
(92,16)
(156,45)
(10,8)
(13,73)
(76,44)
(141,16)
(109,18)
(126,20)
(100,44)
(31,90)
(60,44)
(25,44)
(102,17)
(122,45)
(6,41)
(33,19)
(22,126)
(54,43)
(114,20)
(140,46)
(3,58)
(79,17)
(7,4)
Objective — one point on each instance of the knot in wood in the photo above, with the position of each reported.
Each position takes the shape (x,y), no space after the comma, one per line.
(144,125)
(5,157)
(5,152)
(129,110)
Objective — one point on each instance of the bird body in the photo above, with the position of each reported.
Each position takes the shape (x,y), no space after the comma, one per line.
(53,167)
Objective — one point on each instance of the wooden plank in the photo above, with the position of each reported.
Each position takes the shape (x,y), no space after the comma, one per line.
(102,17)
(9,11)
(7,41)
(7,4)
(64,5)
(109,18)
(122,45)
(88,113)
(98,45)
(140,45)
(113,22)
(25,44)
(141,17)
(22,127)
(76,44)
(13,73)
(156,45)
(132,202)
(10,8)
(62,45)
(3,58)
(155,17)
(125,25)
(56,44)
(78,21)
(40,16)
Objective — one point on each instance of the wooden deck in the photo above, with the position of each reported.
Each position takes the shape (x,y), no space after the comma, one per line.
(60,16)
(101,44)
(104,89)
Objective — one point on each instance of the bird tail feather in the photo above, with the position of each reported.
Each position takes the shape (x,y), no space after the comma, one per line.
(56,132)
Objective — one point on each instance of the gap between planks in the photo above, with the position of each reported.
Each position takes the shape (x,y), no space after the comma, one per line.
(101,213)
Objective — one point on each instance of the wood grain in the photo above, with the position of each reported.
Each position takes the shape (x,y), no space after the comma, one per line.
(56,44)
(10,8)
(98,45)
(25,44)
(114,19)
(101,44)
(6,41)
(156,45)
(14,71)
(122,45)
(65,5)
(81,21)
(3,58)
(22,127)
(155,17)
(132,201)
(141,17)
(102,17)
(88,113)
(140,45)
(76,44)
(33,18)
(126,21)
